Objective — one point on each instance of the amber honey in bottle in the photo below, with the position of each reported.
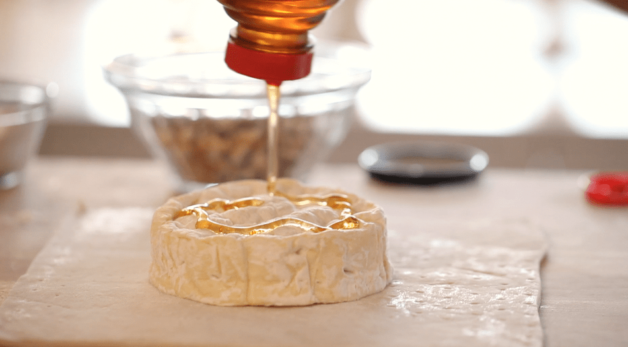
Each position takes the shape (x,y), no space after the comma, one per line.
(271,41)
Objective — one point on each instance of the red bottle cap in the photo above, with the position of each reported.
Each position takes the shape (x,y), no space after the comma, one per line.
(274,68)
(608,189)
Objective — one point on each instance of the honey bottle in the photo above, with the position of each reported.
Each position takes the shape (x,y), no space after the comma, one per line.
(271,41)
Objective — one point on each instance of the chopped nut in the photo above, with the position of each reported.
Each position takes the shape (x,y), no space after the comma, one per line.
(212,149)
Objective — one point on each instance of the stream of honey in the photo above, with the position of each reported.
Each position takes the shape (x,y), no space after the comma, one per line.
(336,201)
(273,93)
(339,202)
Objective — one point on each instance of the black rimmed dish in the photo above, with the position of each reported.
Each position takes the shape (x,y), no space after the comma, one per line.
(423,163)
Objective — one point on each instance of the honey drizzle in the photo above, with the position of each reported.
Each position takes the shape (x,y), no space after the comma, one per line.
(273,94)
(335,201)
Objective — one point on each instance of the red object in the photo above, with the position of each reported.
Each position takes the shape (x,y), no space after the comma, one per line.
(274,68)
(608,189)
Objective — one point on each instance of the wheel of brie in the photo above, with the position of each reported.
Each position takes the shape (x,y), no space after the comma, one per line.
(233,244)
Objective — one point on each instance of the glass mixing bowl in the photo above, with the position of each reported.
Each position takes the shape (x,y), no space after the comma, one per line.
(23,112)
(209,123)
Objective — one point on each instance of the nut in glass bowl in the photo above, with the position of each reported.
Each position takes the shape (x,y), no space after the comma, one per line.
(210,124)
(24,109)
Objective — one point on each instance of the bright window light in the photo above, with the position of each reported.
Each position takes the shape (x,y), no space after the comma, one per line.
(594,81)
(455,66)
(117,27)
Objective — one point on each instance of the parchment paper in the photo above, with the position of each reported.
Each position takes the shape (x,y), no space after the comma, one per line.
(456,284)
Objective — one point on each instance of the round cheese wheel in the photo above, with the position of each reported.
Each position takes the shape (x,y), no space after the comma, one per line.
(285,266)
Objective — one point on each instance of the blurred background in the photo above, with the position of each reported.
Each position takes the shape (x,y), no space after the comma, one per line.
(535,83)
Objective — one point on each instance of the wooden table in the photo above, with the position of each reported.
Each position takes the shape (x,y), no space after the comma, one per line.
(585,274)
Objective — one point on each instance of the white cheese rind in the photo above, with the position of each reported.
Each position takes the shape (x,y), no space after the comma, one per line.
(289,267)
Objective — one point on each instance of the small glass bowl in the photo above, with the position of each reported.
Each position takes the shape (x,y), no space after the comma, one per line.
(209,123)
(24,109)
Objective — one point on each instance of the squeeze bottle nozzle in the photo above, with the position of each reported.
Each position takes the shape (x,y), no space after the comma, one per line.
(271,41)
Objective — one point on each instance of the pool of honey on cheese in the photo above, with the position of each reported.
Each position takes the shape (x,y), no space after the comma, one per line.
(338,202)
